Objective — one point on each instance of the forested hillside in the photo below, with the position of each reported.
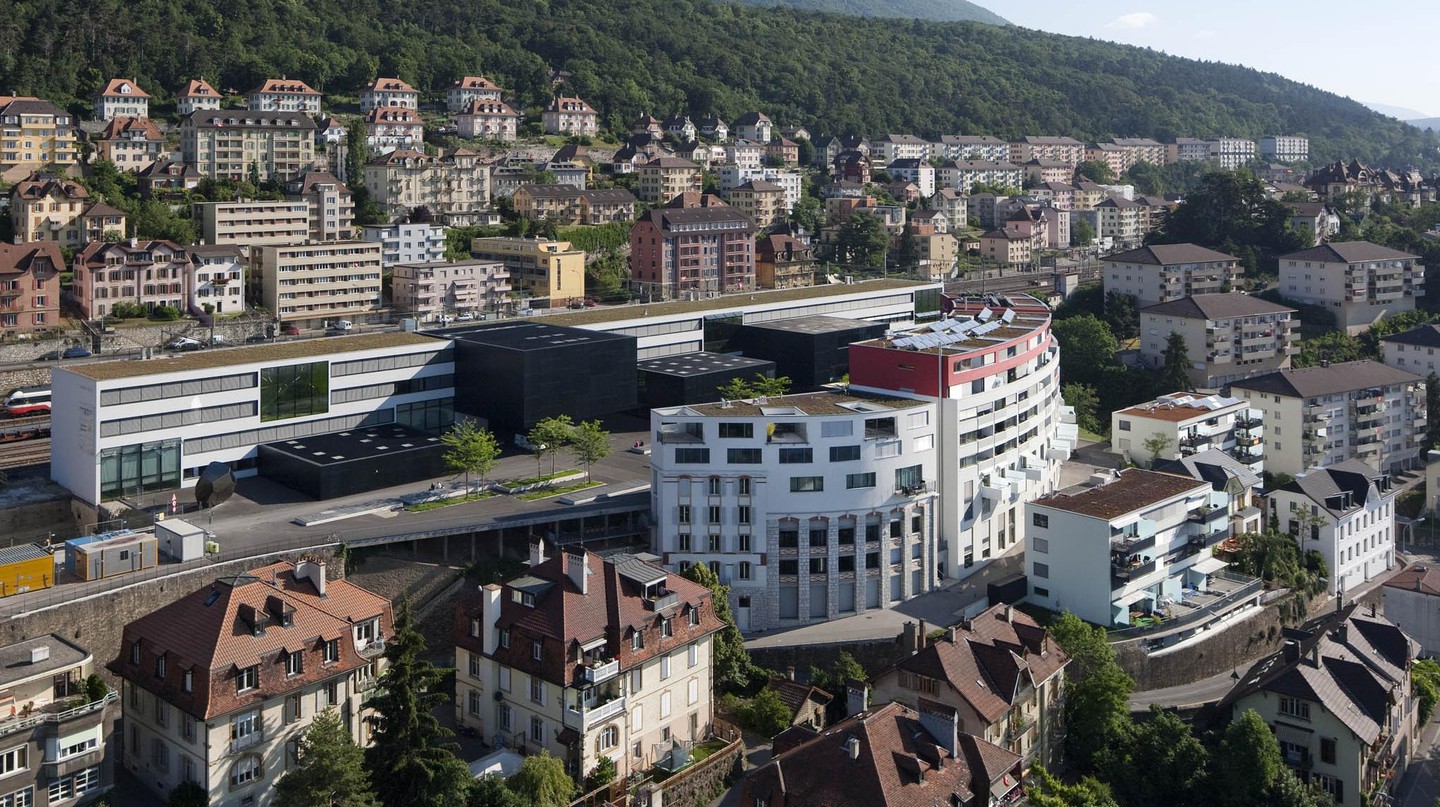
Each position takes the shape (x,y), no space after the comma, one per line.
(939,10)
(832,73)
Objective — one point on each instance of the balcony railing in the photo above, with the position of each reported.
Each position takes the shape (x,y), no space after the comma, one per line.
(602,671)
(372,648)
(595,715)
(1130,546)
(24,723)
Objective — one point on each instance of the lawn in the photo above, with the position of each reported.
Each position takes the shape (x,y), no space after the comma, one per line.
(545,493)
(535,480)
(435,505)
(1093,437)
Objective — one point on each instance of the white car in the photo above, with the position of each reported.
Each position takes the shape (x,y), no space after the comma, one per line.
(466,317)
(341,325)
(184,343)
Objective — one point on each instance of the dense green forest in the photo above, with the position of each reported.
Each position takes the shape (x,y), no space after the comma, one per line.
(832,73)
(939,10)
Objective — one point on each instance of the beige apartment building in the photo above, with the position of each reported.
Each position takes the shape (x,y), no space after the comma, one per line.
(253,223)
(454,186)
(763,202)
(664,178)
(1067,150)
(133,144)
(284,95)
(1358,281)
(1228,337)
(34,134)
(220,684)
(331,205)
(312,284)
(570,116)
(1163,272)
(225,144)
(49,207)
(434,292)
(1123,221)
(547,269)
(588,657)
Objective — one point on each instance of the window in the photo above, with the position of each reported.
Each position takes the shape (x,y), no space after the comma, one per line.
(296,390)
(818,536)
(795,456)
(1041,545)
(159,754)
(537,729)
(188,681)
(744,487)
(1042,570)
(537,689)
(474,702)
(1327,750)
(693,692)
(248,679)
(664,668)
(474,665)
(664,704)
(244,728)
(187,728)
(16,759)
(1329,784)
(789,567)
(637,640)
(744,570)
(505,637)
(332,651)
(1124,425)
(910,478)
(475,628)
(535,651)
(666,628)
(1295,707)
(683,512)
(837,428)
(844,453)
(1040,520)
(327,696)
(856,481)
(683,541)
(159,665)
(692,456)
(245,770)
(712,514)
(736,431)
(25,797)
(503,711)
(742,514)
(637,680)
(608,738)
(714,486)
(294,664)
(807,484)
(162,713)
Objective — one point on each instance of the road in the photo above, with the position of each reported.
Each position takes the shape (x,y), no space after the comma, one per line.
(1420,786)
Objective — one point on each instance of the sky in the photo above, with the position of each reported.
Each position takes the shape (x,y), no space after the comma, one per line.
(1390,61)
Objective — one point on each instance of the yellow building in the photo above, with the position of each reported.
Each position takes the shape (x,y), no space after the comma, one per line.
(540,268)
(25,567)
(34,134)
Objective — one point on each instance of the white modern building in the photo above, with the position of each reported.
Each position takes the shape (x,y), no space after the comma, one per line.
(1328,414)
(1285,148)
(1124,546)
(810,507)
(1227,475)
(1359,281)
(1161,273)
(1346,512)
(1228,337)
(406,243)
(1181,424)
(131,427)
(1004,429)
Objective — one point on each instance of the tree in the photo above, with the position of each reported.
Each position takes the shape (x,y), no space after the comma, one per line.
(1158,444)
(1095,171)
(357,154)
(1432,412)
(1121,315)
(1174,373)
(470,449)
(1045,790)
(1087,347)
(412,762)
(490,791)
(761,386)
(188,794)
(1289,791)
(1082,399)
(421,215)
(590,443)
(604,772)
(330,769)
(1097,691)
(1425,678)
(1082,233)
(861,241)
(1161,763)
(731,668)
(542,781)
(809,214)
(1247,761)
(1229,211)
(765,714)
(835,679)
(549,435)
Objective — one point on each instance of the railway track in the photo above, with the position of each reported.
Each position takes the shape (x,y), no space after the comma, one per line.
(22,453)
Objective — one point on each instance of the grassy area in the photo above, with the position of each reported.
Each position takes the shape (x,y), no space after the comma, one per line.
(436,505)
(545,493)
(535,480)
(1093,437)
(706,748)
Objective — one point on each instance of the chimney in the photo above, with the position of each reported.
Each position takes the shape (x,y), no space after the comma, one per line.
(314,571)
(920,636)
(790,673)
(490,616)
(1342,633)
(943,723)
(1315,655)
(857,697)
(852,747)
(1292,651)
(1009,613)
(537,553)
(578,571)
(950,634)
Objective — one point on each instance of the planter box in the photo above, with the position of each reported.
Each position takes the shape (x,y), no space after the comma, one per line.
(562,479)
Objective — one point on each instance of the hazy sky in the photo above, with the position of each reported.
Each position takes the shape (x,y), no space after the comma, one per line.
(1374,52)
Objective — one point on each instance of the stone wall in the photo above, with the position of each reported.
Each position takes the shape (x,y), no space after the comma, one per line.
(1237,646)
(129,340)
(31,507)
(874,655)
(701,784)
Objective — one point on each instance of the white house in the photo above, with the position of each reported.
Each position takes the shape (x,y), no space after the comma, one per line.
(1346,512)
(1181,424)
(1359,281)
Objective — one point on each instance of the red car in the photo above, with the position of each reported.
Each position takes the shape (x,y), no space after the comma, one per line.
(290,330)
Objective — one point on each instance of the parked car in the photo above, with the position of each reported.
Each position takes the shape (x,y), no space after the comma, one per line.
(466,317)
(53,355)
(590,302)
(527,311)
(183,344)
(257,338)
(218,341)
(341,325)
(576,304)
(290,330)
(76,352)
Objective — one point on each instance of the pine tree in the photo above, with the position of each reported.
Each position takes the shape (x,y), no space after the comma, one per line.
(412,763)
(331,770)
(1175,371)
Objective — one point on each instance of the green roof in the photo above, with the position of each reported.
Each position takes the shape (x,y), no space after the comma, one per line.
(250,354)
(593,316)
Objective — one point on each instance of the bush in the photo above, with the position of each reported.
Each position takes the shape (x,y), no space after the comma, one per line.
(95,688)
(165,313)
(128,311)
(765,714)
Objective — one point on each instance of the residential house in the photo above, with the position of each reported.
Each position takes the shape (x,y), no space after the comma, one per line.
(1000,671)
(588,657)
(983,148)
(1339,698)
(1228,337)
(665,178)
(1187,149)
(453,186)
(1122,221)
(915,170)
(197,95)
(647,126)
(547,270)
(606,205)
(952,203)
(468,89)
(219,279)
(795,132)
(1229,473)
(1359,281)
(437,291)
(219,685)
(692,251)
(283,95)
(681,127)
(570,116)
(392,127)
(748,155)
(51,207)
(1344,511)
(29,287)
(1163,272)
(782,151)
(714,128)
(1413,351)
(122,97)
(935,253)
(560,203)
(1315,220)
(1353,410)
(754,126)
(231,144)
(890,754)
(763,202)
(852,166)
(388,92)
(1338,180)
(330,132)
(1007,247)
(806,702)
(314,283)
(929,221)
(149,274)
(894,147)
(404,242)
(1123,549)
(701,154)
(166,178)
(132,144)
(34,135)
(1412,602)
(783,262)
(1285,148)
(1182,424)
(490,120)
(331,206)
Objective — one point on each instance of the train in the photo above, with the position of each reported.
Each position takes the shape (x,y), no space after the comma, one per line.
(28,401)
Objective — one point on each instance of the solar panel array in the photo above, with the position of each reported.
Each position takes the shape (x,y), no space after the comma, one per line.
(944,332)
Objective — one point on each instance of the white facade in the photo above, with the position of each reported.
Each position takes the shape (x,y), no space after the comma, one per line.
(1358,281)
(433,292)
(219,279)
(284,95)
(1228,337)
(470,88)
(899,147)
(388,92)
(1189,424)
(1162,273)
(966,174)
(973,147)
(1285,148)
(127,427)
(1346,512)
(406,243)
(919,172)
(811,507)
(730,175)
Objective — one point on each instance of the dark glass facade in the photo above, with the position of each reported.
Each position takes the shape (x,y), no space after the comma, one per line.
(294,390)
(139,468)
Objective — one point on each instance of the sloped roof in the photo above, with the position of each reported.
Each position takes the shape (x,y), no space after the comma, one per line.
(1167,254)
(390,85)
(1323,485)
(1310,382)
(199,88)
(1217,306)
(1348,252)
(474,83)
(21,258)
(114,88)
(1213,466)
(127,125)
(480,106)
(284,86)
(1424,578)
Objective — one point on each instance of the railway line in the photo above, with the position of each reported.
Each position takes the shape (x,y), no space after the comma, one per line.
(23,453)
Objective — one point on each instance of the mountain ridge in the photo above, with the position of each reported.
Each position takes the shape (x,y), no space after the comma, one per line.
(936,10)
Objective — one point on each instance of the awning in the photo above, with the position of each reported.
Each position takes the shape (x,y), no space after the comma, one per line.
(1132,598)
(1208,566)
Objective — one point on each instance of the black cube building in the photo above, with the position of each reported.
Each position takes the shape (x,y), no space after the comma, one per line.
(691,378)
(514,374)
(326,466)
(812,351)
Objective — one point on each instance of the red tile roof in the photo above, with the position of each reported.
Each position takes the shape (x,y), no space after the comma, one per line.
(284,86)
(21,258)
(112,89)
(475,83)
(479,107)
(393,114)
(124,125)
(41,185)
(199,88)
(389,85)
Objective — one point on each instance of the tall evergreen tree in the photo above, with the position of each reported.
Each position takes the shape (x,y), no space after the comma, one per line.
(1121,315)
(412,763)
(1247,762)
(1175,370)
(331,769)
(357,153)
(732,669)
(1432,412)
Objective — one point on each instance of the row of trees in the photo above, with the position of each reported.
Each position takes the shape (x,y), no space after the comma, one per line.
(472,449)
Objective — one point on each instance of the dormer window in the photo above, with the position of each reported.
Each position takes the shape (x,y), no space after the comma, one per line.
(637,640)
(160,666)
(294,663)
(248,679)
(694,617)
(666,631)
(135,652)
(188,683)
(505,638)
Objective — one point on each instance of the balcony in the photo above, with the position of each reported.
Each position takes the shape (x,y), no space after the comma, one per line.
(1247,423)
(601,671)
(1131,545)
(592,716)
(1129,572)
(661,601)
(54,714)
(915,488)
(1208,517)
(372,648)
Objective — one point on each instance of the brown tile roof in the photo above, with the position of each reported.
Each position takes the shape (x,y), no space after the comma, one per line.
(563,103)
(795,694)
(209,631)
(1217,306)
(389,85)
(124,125)
(1134,490)
(1167,254)
(285,86)
(21,258)
(474,83)
(40,185)
(247,119)
(481,107)
(393,114)
(199,88)
(112,89)
(1311,382)
(1349,252)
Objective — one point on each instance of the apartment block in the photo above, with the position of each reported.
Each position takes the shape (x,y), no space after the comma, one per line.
(550,270)
(1066,150)
(220,278)
(34,135)
(894,147)
(330,205)
(1413,350)
(665,178)
(588,657)
(284,95)
(1185,424)
(227,144)
(763,202)
(1334,412)
(133,144)
(1122,221)
(1228,337)
(692,252)
(1226,473)
(1161,273)
(964,175)
(435,292)
(570,116)
(468,89)
(1285,148)
(1346,512)
(388,92)
(454,186)
(489,120)
(312,284)
(984,148)
(144,273)
(254,223)
(52,207)
(859,486)
(29,287)
(220,684)
(122,97)
(393,127)
(1359,281)
(406,243)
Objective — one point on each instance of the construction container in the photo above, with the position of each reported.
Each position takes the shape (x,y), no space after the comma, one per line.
(180,540)
(118,555)
(26,567)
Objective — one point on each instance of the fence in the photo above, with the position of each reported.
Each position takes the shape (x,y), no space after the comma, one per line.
(1249,587)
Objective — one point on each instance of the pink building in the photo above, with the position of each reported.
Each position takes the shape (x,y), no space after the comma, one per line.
(146,273)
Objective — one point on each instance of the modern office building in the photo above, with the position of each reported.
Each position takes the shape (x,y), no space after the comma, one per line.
(810,507)
(1346,512)
(1228,337)
(1359,281)
(312,284)
(131,427)
(1331,413)
(1180,424)
(1161,273)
